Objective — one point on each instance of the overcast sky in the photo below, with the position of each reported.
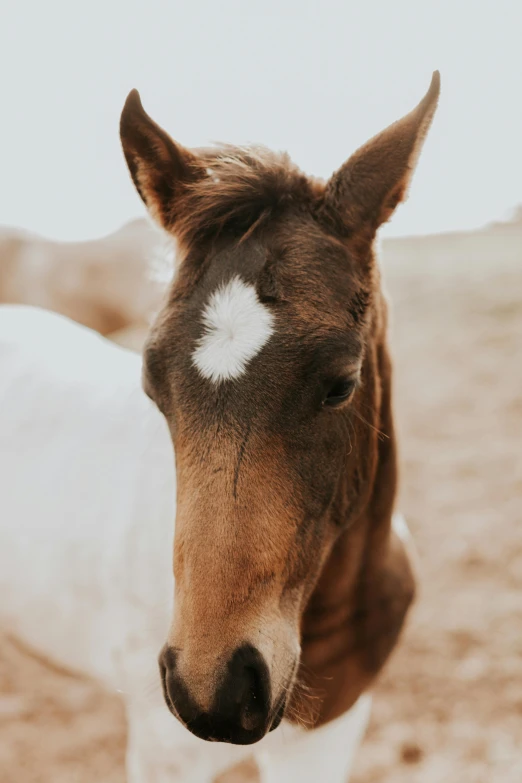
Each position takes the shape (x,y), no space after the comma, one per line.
(315,78)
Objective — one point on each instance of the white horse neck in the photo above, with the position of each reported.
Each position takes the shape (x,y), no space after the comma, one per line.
(87,493)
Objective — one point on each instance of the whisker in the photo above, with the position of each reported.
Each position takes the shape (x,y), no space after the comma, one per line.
(369,424)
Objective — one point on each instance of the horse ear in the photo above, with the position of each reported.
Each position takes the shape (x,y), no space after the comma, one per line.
(160,168)
(364,192)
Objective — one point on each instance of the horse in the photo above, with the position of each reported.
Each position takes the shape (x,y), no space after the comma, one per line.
(283,586)
(88,497)
(109,284)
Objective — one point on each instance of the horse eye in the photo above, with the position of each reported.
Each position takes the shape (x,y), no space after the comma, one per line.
(339,392)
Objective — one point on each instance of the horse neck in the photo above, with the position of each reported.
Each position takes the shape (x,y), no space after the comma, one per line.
(345,634)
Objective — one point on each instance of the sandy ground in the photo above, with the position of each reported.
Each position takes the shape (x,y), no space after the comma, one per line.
(449,706)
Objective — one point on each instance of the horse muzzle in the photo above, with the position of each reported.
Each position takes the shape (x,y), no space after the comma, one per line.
(241,710)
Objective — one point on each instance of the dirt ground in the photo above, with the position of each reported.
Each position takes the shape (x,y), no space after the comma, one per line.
(448,708)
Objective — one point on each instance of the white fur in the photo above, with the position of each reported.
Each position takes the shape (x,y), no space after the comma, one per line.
(324,754)
(87,488)
(237,326)
(400,527)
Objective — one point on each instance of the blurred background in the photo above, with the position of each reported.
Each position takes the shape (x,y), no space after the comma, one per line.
(316,79)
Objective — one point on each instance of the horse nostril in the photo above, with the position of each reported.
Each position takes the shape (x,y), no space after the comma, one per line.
(251,702)
(244,695)
(175,692)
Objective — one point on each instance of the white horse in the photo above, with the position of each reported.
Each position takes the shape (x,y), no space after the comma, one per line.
(87,483)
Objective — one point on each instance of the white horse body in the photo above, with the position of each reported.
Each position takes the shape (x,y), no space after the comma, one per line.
(87,487)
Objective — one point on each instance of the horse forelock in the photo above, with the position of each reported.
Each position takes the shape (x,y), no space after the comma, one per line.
(238,189)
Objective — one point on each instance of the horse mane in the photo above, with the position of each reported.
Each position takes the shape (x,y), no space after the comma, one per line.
(237,189)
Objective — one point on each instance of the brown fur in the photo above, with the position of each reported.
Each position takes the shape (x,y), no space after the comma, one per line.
(283,531)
